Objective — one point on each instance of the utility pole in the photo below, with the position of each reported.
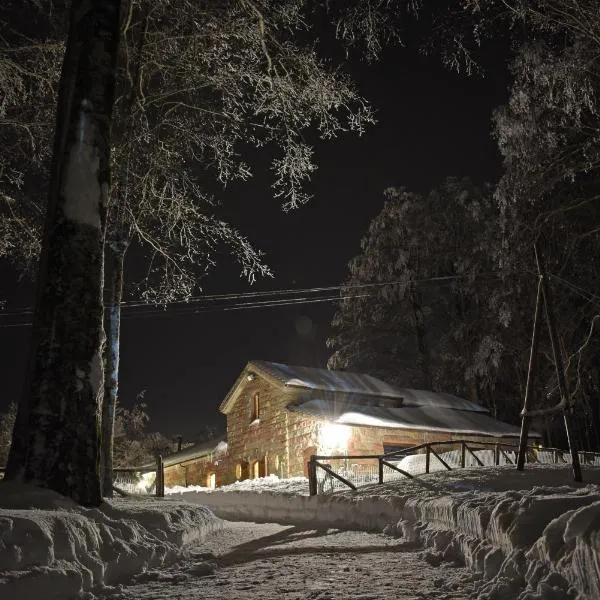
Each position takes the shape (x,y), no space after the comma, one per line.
(558,363)
(537,323)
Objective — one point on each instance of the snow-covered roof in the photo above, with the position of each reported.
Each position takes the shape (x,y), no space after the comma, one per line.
(363,388)
(196,451)
(310,378)
(427,398)
(323,379)
(429,417)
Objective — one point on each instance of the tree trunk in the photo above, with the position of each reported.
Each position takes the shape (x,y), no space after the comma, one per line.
(57,432)
(115,257)
(595,420)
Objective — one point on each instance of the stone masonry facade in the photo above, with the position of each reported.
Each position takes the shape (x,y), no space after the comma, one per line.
(207,471)
(278,441)
(274,442)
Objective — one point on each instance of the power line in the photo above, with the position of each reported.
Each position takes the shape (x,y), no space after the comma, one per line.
(577,289)
(263,299)
(289,291)
(244,305)
(182,311)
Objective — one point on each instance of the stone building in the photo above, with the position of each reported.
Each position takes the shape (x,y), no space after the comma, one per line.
(279,415)
(205,464)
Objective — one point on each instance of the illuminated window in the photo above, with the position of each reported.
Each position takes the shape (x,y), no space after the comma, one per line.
(255,408)
(238,471)
(256,469)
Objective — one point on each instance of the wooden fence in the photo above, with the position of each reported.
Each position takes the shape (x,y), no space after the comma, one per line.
(133,472)
(159,480)
(321,470)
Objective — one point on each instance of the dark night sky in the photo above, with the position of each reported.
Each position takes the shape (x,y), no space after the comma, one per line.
(431,124)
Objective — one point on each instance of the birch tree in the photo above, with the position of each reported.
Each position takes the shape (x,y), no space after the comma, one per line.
(56,442)
(254,85)
(197,86)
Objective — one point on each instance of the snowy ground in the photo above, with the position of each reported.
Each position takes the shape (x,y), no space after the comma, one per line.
(486,533)
(533,535)
(249,561)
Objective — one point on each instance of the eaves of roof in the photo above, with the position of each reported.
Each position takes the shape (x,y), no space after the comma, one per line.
(251,368)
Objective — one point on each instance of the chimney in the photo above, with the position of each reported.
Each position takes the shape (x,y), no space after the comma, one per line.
(179,440)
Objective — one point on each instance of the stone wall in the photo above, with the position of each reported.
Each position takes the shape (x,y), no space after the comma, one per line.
(371,440)
(198,472)
(274,442)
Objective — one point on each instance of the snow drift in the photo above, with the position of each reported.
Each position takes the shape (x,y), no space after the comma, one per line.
(52,548)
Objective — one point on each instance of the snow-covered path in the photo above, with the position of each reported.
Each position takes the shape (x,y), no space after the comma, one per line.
(278,562)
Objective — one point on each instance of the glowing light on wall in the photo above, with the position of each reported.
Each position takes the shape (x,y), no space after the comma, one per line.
(146,481)
(333,437)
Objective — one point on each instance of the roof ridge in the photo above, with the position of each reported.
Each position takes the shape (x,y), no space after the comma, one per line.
(325,370)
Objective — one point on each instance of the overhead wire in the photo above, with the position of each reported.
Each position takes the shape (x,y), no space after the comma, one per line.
(262,299)
(277,298)
(272,300)
(289,291)
(577,289)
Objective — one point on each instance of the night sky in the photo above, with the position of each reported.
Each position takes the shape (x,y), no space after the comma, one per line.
(432,123)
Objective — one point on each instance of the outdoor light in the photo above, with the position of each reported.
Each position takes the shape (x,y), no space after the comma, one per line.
(251,377)
(333,436)
(146,481)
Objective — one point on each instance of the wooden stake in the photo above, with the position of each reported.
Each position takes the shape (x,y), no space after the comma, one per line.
(560,372)
(537,323)
(160,477)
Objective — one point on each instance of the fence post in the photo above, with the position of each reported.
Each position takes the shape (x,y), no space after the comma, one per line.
(497,454)
(312,476)
(463,454)
(160,477)
(427,457)
(380,470)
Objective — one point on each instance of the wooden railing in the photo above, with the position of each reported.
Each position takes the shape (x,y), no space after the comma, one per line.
(158,468)
(466,447)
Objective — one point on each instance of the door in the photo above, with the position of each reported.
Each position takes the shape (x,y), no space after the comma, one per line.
(308,452)
(262,467)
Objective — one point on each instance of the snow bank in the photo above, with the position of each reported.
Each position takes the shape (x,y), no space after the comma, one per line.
(533,535)
(52,548)
(271,483)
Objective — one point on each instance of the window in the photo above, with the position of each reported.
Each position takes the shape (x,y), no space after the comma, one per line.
(211,480)
(243,472)
(394,445)
(255,408)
